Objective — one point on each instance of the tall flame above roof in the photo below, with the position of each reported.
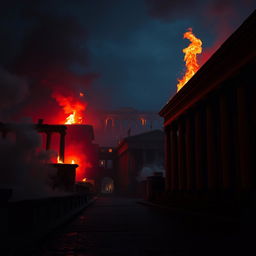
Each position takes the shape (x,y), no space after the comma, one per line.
(194,48)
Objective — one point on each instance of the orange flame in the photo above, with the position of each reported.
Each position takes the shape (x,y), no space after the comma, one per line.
(74,108)
(59,161)
(190,57)
(84,179)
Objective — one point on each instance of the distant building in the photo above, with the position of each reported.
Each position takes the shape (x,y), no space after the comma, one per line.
(138,157)
(111,127)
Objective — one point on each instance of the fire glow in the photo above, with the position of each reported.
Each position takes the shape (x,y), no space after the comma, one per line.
(72,107)
(72,113)
(190,58)
(59,161)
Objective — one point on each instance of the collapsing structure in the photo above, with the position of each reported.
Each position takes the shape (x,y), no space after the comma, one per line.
(210,124)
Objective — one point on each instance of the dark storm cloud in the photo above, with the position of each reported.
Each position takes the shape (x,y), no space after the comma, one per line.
(43,44)
(169,10)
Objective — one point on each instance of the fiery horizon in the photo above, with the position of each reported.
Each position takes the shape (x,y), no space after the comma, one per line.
(190,58)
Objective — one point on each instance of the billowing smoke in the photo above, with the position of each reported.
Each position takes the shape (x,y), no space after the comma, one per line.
(50,52)
(150,170)
(13,91)
(23,167)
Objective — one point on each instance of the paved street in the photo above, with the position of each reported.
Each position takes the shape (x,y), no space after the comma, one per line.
(121,226)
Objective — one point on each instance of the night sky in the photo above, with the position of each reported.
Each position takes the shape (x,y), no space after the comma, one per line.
(121,53)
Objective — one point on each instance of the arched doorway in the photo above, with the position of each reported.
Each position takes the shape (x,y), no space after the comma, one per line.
(107,185)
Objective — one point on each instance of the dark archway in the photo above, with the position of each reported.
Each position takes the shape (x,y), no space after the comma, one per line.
(107,185)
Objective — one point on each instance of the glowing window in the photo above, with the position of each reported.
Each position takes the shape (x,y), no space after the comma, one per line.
(110,150)
(102,163)
(143,121)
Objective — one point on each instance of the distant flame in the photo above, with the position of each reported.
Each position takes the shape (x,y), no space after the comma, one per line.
(84,179)
(59,161)
(190,57)
(73,162)
(73,107)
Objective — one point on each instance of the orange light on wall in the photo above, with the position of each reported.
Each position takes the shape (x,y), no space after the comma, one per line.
(143,121)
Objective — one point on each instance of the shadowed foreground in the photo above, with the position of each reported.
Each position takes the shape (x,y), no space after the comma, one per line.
(121,226)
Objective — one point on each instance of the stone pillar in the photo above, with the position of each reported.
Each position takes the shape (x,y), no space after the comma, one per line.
(48,140)
(174,158)
(244,147)
(168,157)
(212,149)
(4,134)
(62,146)
(226,142)
(190,152)
(200,154)
(181,155)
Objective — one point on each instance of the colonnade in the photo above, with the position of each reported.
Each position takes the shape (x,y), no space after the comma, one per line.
(210,146)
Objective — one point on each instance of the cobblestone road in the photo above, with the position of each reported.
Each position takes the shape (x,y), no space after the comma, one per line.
(121,226)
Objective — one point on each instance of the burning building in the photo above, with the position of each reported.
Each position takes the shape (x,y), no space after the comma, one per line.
(210,125)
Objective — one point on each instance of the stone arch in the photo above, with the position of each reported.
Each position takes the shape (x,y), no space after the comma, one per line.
(107,185)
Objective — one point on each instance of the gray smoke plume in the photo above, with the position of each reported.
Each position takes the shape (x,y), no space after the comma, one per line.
(23,167)
(150,170)
(13,90)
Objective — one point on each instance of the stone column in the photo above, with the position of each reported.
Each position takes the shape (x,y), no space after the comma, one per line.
(200,154)
(62,146)
(174,158)
(244,146)
(181,155)
(4,134)
(226,142)
(168,157)
(212,150)
(190,152)
(48,140)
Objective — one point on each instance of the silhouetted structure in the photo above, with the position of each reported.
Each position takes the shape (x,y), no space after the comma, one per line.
(66,173)
(134,153)
(210,124)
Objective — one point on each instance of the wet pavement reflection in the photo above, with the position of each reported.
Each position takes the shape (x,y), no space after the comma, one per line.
(121,226)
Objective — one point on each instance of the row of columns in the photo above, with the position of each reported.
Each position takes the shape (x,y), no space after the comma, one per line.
(209,147)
